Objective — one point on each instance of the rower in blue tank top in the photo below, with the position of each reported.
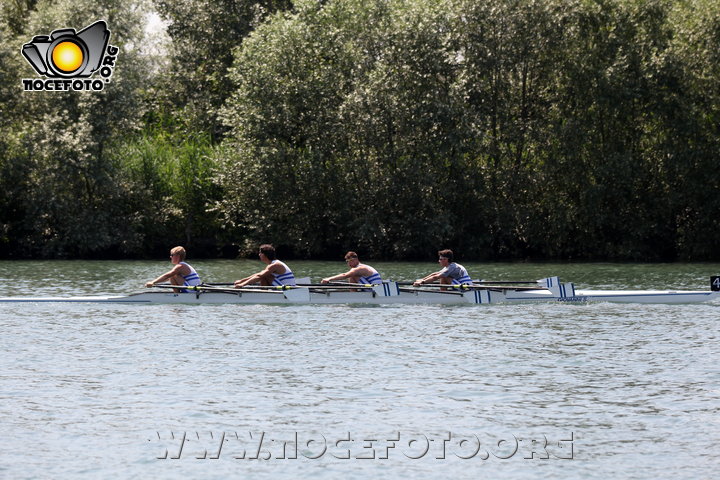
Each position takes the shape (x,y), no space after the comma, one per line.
(451,273)
(181,274)
(287,278)
(192,278)
(358,273)
(275,273)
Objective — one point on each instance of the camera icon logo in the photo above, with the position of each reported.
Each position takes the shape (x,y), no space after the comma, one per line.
(68,54)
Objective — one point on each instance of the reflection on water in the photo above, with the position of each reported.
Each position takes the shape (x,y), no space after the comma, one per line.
(104,390)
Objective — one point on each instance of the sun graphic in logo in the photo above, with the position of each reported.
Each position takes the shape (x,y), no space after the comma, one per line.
(67,56)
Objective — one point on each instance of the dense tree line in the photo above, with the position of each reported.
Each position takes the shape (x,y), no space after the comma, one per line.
(580,129)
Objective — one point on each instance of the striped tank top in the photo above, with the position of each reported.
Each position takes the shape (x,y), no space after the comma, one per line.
(191,279)
(287,278)
(373,279)
(458,274)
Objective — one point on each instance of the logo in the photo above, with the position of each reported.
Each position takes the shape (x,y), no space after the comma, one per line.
(68,59)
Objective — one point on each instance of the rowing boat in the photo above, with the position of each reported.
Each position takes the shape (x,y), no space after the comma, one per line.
(545,290)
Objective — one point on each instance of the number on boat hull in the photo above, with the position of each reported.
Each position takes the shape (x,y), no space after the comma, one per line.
(715,283)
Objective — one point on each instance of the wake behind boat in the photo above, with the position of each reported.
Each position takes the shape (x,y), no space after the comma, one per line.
(548,289)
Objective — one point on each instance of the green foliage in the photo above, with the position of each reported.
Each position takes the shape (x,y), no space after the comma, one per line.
(204,35)
(168,189)
(55,142)
(504,128)
(581,129)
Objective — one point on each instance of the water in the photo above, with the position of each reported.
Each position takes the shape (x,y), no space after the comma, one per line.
(103,391)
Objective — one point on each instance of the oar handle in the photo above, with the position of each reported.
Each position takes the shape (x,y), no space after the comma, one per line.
(462,286)
(429,287)
(424,290)
(213,285)
(343,284)
(337,284)
(484,282)
(208,288)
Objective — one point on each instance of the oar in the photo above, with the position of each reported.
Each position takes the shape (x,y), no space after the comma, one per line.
(262,288)
(337,285)
(474,283)
(275,287)
(312,285)
(205,288)
(334,285)
(466,286)
(413,290)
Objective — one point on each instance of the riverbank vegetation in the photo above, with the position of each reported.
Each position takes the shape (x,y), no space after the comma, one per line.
(513,129)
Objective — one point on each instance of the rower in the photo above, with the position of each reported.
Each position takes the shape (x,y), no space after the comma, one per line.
(181,274)
(451,273)
(275,273)
(358,273)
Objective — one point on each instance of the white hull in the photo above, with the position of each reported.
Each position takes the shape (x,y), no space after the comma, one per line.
(550,290)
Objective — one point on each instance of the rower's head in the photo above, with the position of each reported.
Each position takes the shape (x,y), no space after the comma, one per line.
(177,253)
(351,258)
(445,257)
(267,250)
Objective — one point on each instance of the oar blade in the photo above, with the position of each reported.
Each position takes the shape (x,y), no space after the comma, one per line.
(386,289)
(297,295)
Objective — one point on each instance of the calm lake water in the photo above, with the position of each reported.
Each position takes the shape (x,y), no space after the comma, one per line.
(551,391)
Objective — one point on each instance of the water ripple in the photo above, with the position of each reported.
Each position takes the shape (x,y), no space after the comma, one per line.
(91,388)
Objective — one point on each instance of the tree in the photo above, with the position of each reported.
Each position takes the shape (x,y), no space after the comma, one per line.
(204,35)
(334,104)
(57,141)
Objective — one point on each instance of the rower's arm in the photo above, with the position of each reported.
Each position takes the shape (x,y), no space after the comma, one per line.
(256,278)
(428,279)
(175,271)
(242,281)
(337,277)
(359,271)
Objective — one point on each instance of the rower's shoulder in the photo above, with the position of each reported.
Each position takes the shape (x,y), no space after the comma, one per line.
(366,267)
(278,265)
